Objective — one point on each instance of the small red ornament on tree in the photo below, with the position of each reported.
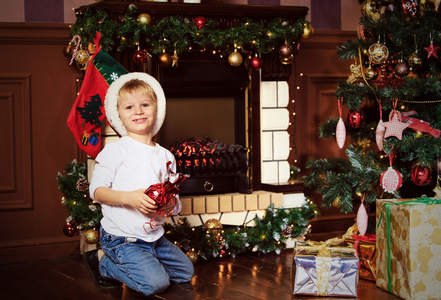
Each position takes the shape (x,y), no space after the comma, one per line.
(421,176)
(256,63)
(355,118)
(70,230)
(432,50)
(200,22)
(139,57)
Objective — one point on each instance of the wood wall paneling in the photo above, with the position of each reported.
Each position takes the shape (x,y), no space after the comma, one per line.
(15,133)
(316,102)
(37,90)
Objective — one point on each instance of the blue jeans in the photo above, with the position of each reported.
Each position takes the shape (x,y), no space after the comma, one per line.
(147,268)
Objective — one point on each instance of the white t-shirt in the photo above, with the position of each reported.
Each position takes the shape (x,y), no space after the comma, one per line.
(127,165)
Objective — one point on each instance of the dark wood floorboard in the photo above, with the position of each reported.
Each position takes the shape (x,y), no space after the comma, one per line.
(250,276)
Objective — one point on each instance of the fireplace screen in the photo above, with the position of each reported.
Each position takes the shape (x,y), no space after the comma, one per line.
(214,167)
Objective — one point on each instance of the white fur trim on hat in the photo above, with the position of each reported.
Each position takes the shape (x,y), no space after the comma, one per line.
(111,101)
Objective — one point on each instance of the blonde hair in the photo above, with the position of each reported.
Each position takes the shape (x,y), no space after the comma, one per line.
(137,86)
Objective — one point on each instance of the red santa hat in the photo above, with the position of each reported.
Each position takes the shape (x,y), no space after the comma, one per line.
(111,101)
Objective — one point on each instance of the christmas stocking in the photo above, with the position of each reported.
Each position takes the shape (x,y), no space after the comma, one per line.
(87,114)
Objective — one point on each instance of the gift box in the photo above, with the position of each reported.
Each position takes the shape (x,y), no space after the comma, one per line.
(365,245)
(409,247)
(325,271)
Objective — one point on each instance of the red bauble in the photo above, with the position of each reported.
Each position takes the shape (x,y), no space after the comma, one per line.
(256,63)
(200,22)
(285,51)
(421,176)
(139,57)
(391,180)
(410,7)
(355,118)
(70,230)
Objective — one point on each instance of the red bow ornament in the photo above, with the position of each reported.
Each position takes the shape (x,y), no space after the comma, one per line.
(163,193)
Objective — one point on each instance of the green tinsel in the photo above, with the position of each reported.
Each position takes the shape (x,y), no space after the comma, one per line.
(181,34)
(269,233)
(84,212)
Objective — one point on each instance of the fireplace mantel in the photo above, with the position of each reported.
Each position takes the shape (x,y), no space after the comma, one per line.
(224,12)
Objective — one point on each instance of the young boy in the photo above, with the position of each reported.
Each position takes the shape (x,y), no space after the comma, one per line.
(132,253)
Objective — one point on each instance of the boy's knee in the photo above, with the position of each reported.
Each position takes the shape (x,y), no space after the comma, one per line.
(151,288)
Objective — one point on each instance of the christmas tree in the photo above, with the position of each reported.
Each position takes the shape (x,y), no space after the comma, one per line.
(393,103)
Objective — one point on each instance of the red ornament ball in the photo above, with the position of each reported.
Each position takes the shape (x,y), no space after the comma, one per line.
(70,230)
(355,118)
(421,176)
(410,7)
(285,51)
(200,22)
(139,57)
(256,63)
(391,180)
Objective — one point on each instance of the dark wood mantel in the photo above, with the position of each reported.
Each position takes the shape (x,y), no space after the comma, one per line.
(158,10)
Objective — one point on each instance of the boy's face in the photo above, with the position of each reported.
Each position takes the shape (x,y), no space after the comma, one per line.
(137,111)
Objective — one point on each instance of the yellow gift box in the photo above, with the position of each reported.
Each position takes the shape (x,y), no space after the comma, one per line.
(409,247)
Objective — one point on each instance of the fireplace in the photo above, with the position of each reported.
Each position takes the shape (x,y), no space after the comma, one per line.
(196,90)
(214,167)
(205,127)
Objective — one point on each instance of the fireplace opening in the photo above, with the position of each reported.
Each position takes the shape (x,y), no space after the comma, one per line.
(206,125)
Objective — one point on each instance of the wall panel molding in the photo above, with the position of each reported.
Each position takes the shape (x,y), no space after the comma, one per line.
(34,33)
(15,131)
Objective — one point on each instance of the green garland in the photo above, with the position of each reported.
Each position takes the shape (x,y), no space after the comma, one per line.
(84,212)
(268,234)
(182,34)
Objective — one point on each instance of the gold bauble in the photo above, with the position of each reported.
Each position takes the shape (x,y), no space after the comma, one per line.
(287,60)
(213,224)
(91,236)
(82,56)
(336,202)
(193,256)
(165,60)
(415,60)
(378,53)
(68,51)
(307,31)
(370,73)
(371,9)
(82,66)
(235,59)
(144,19)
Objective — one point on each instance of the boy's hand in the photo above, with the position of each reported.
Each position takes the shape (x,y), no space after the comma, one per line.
(168,207)
(139,200)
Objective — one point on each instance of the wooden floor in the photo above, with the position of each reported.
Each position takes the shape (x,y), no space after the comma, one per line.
(250,276)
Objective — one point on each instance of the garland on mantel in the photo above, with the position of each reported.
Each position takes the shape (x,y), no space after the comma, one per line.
(176,34)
